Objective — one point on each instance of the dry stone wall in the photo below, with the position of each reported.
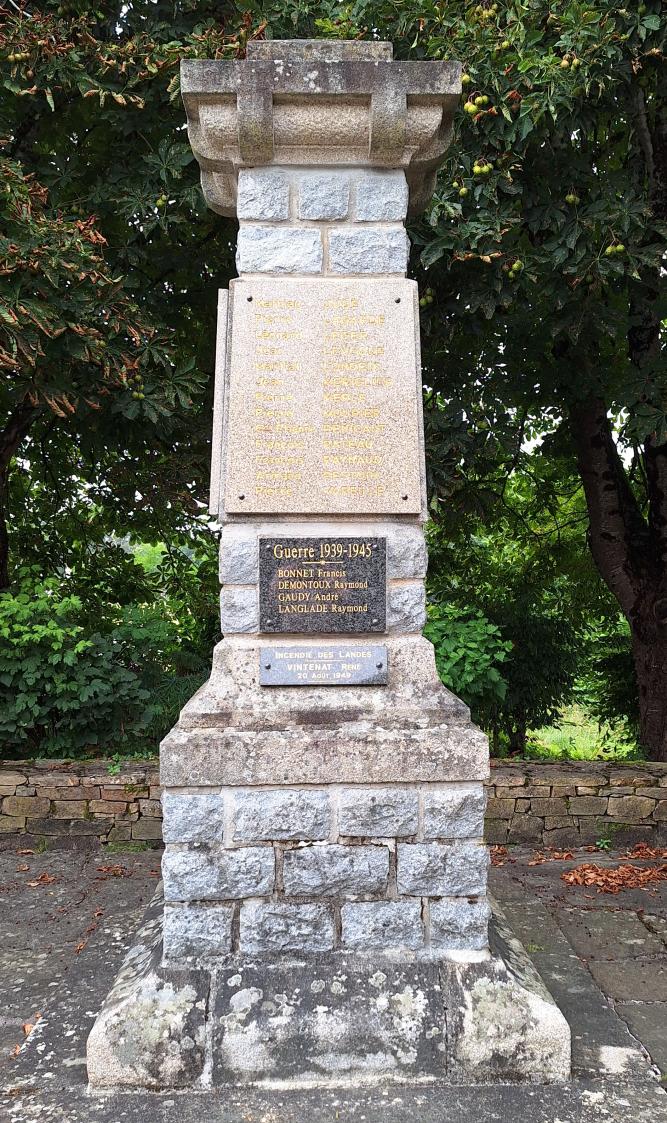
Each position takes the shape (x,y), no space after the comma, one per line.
(534,803)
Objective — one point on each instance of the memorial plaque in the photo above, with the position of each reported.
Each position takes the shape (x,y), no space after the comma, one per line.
(323,404)
(325,665)
(322,584)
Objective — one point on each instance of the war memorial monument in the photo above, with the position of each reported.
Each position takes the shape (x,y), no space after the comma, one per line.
(325,916)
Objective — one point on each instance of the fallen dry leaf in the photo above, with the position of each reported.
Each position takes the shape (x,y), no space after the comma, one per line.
(615,878)
(22,867)
(16,1050)
(498,855)
(643,850)
(23,851)
(553,856)
(115,871)
(79,947)
(28,1027)
(43,879)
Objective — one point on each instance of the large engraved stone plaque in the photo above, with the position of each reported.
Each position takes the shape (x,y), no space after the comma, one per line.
(322,585)
(335,664)
(323,402)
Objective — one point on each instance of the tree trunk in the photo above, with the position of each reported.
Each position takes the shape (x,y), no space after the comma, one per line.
(17,426)
(650,657)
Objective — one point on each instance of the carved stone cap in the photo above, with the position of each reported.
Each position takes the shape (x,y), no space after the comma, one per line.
(304,102)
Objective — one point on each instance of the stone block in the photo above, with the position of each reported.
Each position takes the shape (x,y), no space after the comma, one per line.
(379,249)
(216,874)
(587,805)
(147,829)
(332,870)
(522,806)
(407,555)
(382,196)
(629,776)
(106,807)
(279,249)
(47,826)
(323,195)
(194,817)
(290,813)
(406,607)
(11,779)
(616,791)
(650,793)
(508,777)
(550,806)
(11,823)
(262,194)
(561,836)
(503,792)
(660,811)
(97,827)
(152,807)
(239,610)
(454,812)
(553,821)
(18,805)
(239,555)
(197,930)
(536,791)
(560,791)
(458,924)
(630,808)
(525,828)
(67,809)
(75,792)
(378,812)
(120,832)
(495,831)
(439,869)
(500,808)
(382,925)
(274,926)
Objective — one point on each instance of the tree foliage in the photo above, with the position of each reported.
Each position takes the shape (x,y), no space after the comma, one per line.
(542,250)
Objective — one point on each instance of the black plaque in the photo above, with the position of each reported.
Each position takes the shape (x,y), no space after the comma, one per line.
(322,585)
(327,664)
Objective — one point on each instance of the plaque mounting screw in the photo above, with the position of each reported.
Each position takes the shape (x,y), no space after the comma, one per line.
(375,620)
(403,497)
(243,497)
(379,666)
(398,300)
(248,298)
(267,666)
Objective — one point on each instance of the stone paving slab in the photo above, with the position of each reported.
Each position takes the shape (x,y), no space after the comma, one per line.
(613,1075)
(602,933)
(643,979)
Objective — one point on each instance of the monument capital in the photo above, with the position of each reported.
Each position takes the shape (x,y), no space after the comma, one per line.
(314,102)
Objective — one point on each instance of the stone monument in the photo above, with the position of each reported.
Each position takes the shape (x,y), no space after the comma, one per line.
(325,910)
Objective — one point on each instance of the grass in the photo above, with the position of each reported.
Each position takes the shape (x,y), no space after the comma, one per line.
(577,736)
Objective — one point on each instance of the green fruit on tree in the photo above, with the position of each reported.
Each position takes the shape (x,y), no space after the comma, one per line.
(564,64)
(470,108)
(463,191)
(479,101)
(572,199)
(465,79)
(505,44)
(620,248)
(609,251)
(576,63)
(423,302)
(518,266)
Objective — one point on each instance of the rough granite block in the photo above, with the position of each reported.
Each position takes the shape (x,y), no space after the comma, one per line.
(193,818)
(289,813)
(331,870)
(407,555)
(239,556)
(440,869)
(458,924)
(18,805)
(275,927)
(378,812)
(382,196)
(209,875)
(279,249)
(262,194)
(382,924)
(454,812)
(379,249)
(630,808)
(197,930)
(406,608)
(323,195)
(239,610)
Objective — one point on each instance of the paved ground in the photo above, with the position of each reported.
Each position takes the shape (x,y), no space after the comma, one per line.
(67,916)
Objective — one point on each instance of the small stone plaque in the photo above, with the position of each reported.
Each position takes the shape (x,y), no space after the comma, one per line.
(326,665)
(323,401)
(322,584)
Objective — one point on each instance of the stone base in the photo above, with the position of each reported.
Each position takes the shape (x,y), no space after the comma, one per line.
(327,1020)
